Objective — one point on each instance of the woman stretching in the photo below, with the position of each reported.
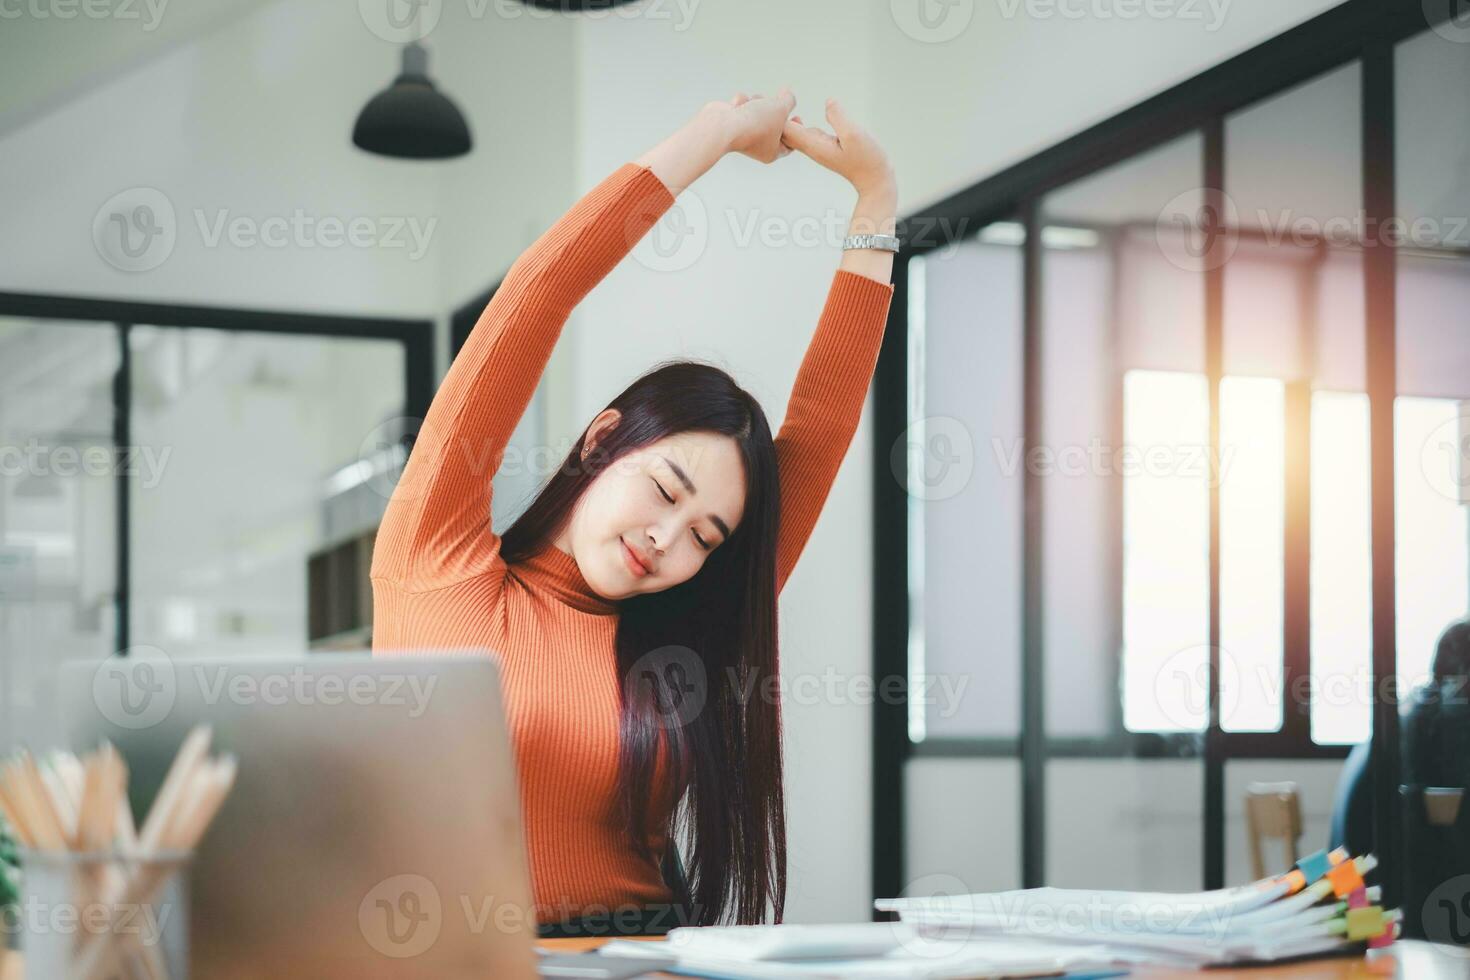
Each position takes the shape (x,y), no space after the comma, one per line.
(633,604)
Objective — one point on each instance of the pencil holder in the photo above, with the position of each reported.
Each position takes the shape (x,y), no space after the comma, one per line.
(105,915)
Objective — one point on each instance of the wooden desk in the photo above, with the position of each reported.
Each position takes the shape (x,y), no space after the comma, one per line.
(1409,959)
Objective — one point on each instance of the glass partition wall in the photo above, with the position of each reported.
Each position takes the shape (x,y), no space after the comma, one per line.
(267,439)
(58,512)
(964,511)
(1430,423)
(1119,466)
(163,487)
(1174,494)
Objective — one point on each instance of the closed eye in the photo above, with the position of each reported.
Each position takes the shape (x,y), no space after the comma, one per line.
(666,496)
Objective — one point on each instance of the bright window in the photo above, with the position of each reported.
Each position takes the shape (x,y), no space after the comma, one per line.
(1252,541)
(1166,541)
(1341,569)
(1431,491)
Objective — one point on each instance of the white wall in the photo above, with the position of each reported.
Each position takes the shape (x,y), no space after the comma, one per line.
(997,80)
(254,121)
(750,308)
(256,117)
(513,72)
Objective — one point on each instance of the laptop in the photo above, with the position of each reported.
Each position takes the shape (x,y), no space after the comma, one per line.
(374,826)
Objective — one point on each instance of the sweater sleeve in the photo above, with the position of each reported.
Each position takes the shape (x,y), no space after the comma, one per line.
(436,530)
(826,401)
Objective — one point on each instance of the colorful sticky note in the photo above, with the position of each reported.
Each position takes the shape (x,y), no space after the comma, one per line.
(1358,898)
(1314,866)
(1345,879)
(1364,923)
(1381,940)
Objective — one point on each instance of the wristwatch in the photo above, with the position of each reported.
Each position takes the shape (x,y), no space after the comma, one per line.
(889,243)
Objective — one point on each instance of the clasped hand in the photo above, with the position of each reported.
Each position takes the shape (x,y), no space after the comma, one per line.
(764,129)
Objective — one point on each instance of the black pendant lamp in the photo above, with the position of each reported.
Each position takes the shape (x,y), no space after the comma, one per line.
(411,119)
(574,6)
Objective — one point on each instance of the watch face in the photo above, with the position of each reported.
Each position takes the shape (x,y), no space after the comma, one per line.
(888,242)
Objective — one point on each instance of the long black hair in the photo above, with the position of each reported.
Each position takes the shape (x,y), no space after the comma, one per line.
(699,660)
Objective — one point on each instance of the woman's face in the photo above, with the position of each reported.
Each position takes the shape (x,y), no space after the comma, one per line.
(670,504)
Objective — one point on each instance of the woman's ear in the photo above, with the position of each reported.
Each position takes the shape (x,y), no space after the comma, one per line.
(606,421)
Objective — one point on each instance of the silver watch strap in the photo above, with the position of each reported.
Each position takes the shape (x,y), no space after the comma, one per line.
(888,243)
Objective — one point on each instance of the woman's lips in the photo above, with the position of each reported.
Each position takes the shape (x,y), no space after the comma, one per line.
(631,560)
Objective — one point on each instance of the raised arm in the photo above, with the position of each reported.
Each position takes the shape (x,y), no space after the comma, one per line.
(437,529)
(832,383)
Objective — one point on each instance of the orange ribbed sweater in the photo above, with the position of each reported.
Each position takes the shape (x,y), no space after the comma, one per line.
(439,582)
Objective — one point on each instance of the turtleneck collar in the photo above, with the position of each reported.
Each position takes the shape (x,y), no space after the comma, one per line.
(557,573)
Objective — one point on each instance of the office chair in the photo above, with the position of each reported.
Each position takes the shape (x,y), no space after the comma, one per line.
(1272,811)
(1352,809)
(1436,878)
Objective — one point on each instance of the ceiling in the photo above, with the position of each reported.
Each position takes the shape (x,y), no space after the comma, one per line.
(45,61)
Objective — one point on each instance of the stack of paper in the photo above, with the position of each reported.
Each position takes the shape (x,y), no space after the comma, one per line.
(1321,906)
(864,951)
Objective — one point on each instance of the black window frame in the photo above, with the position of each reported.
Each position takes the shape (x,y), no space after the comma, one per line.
(1361,31)
(416,337)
